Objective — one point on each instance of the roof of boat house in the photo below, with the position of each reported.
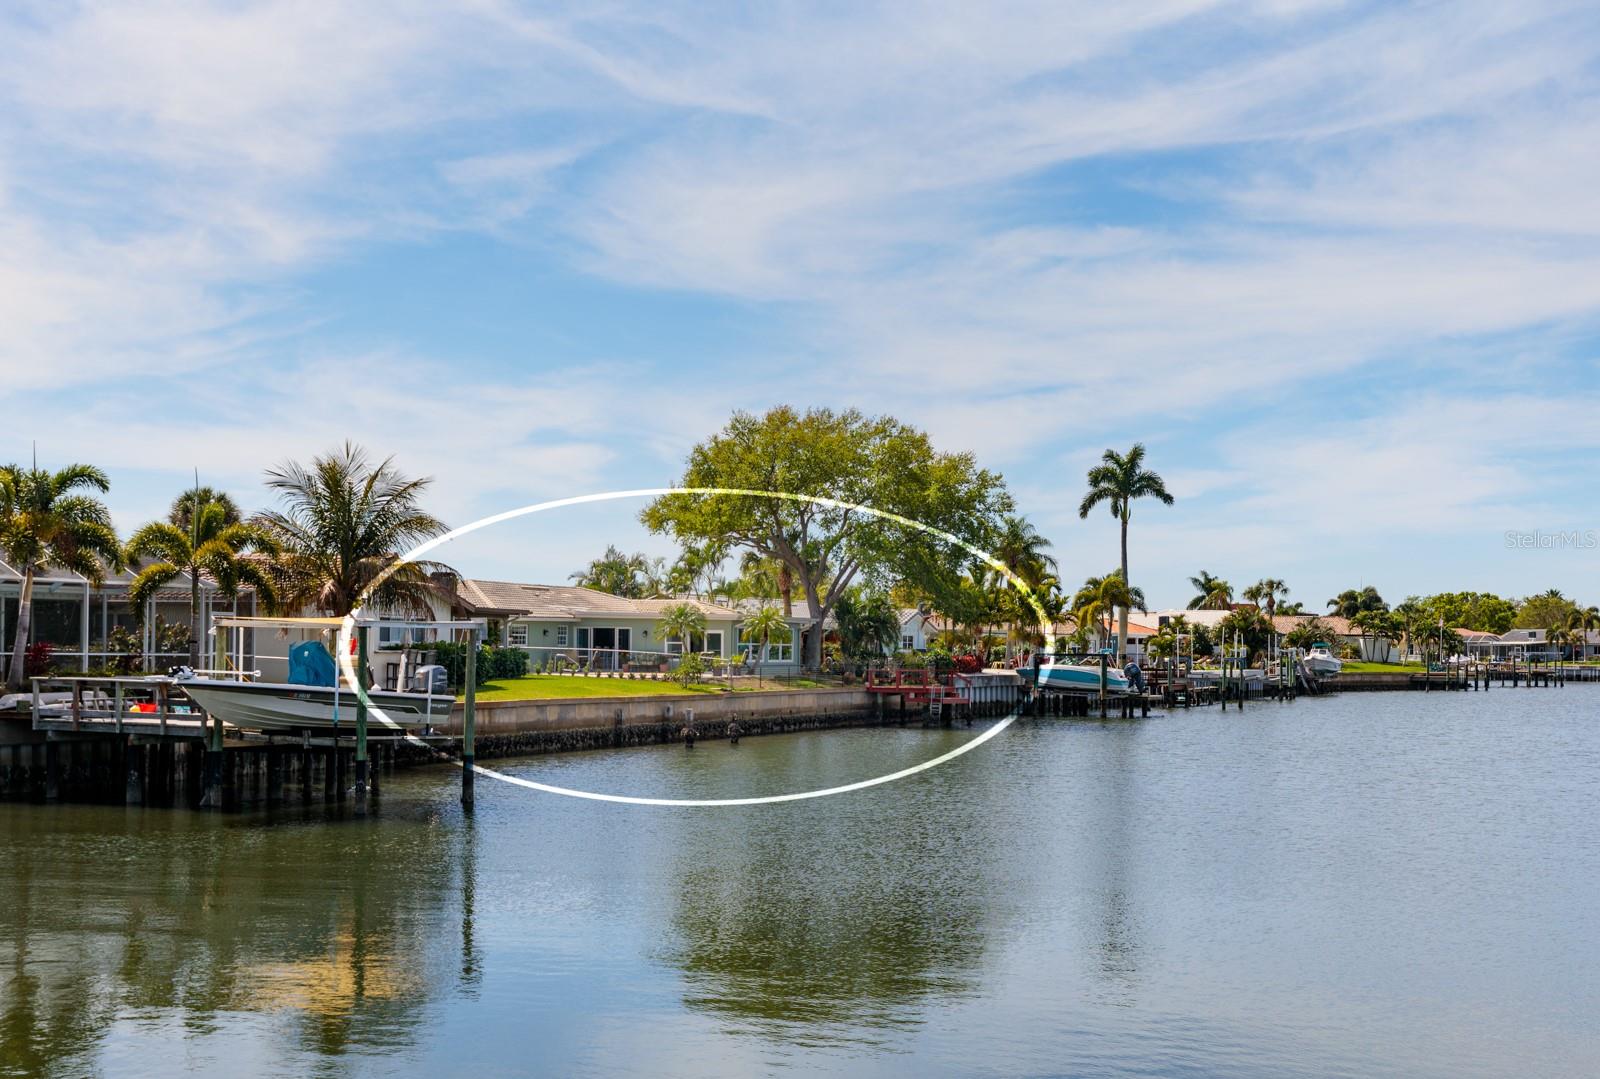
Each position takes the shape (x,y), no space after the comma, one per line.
(55,583)
(558,602)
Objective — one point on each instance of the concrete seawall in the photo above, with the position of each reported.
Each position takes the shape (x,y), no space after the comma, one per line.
(510,728)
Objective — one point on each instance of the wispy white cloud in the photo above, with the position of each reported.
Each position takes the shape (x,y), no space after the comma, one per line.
(1033,228)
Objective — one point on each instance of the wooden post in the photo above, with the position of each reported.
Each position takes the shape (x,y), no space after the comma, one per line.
(469,719)
(361,717)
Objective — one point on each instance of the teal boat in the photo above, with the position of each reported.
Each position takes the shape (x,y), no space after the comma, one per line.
(1081,677)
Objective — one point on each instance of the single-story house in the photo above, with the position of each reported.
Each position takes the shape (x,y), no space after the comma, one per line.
(597,629)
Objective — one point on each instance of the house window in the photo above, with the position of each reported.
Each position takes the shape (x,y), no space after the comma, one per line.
(907,642)
(780,648)
(674,645)
(519,635)
(561,636)
(714,641)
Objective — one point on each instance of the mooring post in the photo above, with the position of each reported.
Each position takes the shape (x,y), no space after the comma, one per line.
(211,783)
(469,719)
(361,717)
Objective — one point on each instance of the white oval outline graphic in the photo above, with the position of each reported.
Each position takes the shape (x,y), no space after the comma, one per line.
(347,632)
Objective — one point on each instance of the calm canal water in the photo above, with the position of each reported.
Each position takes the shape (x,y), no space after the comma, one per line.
(1373,885)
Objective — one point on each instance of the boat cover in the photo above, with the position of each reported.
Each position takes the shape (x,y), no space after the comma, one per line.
(310,665)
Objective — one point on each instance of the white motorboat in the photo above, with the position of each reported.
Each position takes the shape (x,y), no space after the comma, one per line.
(309,691)
(1083,677)
(1322,663)
(278,706)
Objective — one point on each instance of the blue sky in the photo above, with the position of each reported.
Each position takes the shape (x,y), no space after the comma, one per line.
(1336,264)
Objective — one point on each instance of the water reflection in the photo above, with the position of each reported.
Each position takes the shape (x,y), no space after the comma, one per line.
(837,927)
(163,917)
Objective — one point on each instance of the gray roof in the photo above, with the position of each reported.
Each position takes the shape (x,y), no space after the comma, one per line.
(557,602)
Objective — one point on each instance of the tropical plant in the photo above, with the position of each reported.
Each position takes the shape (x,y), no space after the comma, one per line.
(1351,602)
(1558,638)
(761,577)
(207,544)
(1246,626)
(1310,632)
(869,625)
(1211,593)
(343,525)
(1377,626)
(1580,624)
(44,522)
(619,574)
(181,512)
(1119,480)
(683,621)
(1265,593)
(760,628)
(1023,550)
(689,670)
(1101,597)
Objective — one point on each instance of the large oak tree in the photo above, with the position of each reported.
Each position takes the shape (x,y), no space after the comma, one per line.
(875,461)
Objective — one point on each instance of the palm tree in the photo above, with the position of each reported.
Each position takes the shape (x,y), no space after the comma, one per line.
(1211,593)
(1349,603)
(616,573)
(1100,596)
(1120,480)
(210,545)
(341,529)
(1265,593)
(1023,550)
(761,627)
(1581,623)
(685,621)
(182,512)
(765,578)
(42,522)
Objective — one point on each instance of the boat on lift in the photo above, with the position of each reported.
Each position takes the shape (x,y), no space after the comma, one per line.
(1320,661)
(314,694)
(1057,672)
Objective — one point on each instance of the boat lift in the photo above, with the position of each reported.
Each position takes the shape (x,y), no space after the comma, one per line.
(347,646)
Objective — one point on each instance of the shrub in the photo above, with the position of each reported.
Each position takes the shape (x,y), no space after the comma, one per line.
(36,660)
(492,662)
(689,669)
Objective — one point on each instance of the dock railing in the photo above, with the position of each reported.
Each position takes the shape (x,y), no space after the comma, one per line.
(144,703)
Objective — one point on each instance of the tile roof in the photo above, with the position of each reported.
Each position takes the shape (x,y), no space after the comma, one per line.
(566,602)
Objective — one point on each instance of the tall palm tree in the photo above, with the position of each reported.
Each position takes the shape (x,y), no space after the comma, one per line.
(343,524)
(43,522)
(1211,593)
(210,545)
(1119,480)
(685,621)
(761,627)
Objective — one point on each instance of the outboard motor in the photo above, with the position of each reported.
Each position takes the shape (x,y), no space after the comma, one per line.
(430,678)
(1135,676)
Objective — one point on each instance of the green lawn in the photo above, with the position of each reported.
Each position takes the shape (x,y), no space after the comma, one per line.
(1361,666)
(539,686)
(533,687)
